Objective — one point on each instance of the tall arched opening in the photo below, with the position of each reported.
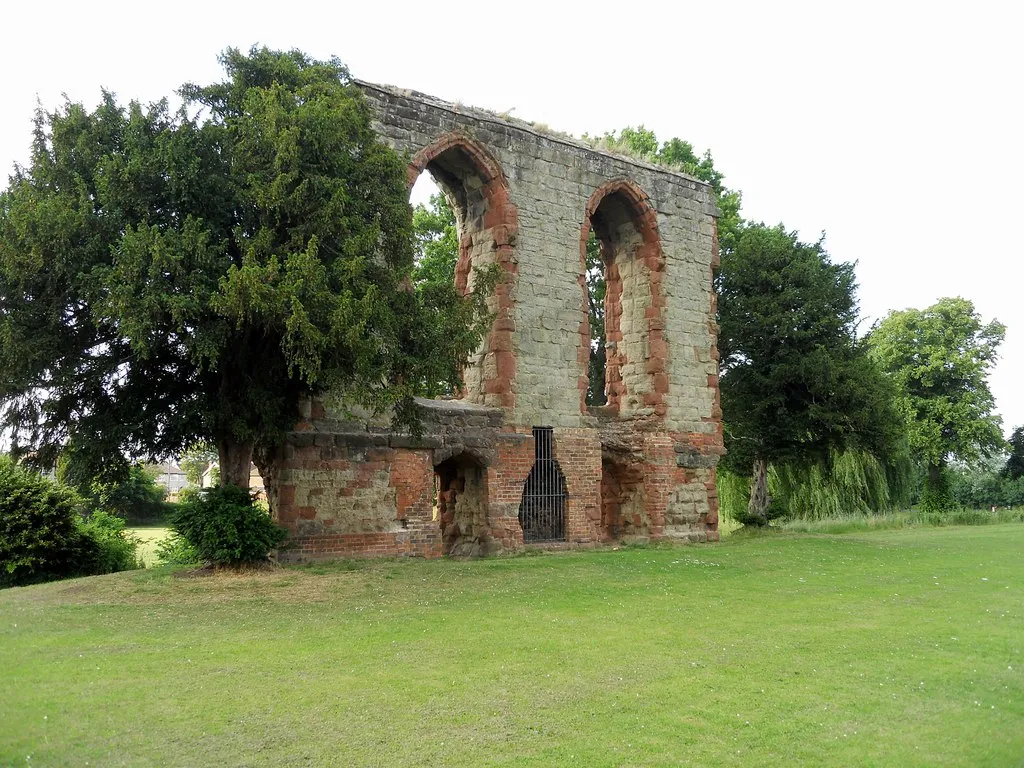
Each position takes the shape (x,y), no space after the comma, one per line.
(487,221)
(629,258)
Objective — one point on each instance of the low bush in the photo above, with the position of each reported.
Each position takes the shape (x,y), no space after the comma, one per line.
(43,536)
(39,536)
(115,548)
(174,550)
(226,527)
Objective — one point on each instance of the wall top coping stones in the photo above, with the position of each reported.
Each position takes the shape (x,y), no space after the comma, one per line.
(453,406)
(486,116)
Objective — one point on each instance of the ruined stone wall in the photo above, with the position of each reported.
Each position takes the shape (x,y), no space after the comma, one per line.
(641,467)
(550,183)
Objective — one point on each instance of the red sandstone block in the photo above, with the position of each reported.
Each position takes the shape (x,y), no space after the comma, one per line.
(506,365)
(286,514)
(497,386)
(654,365)
(286,495)
(500,341)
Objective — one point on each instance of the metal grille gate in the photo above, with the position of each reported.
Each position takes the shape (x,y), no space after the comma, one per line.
(542,511)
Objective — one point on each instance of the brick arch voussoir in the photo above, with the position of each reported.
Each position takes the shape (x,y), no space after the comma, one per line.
(645,218)
(485,163)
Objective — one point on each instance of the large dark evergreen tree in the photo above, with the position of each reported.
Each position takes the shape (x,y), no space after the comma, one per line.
(795,383)
(172,277)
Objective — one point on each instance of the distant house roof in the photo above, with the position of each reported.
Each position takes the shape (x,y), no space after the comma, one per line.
(167,468)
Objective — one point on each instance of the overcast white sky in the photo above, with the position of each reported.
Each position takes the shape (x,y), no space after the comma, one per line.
(895,127)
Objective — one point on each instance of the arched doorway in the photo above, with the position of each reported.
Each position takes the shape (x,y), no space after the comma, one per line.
(542,510)
(462,505)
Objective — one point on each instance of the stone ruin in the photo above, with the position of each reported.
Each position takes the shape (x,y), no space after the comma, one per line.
(521,459)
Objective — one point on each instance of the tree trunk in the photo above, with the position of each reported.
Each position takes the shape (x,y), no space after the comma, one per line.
(235,460)
(265,460)
(757,509)
(936,496)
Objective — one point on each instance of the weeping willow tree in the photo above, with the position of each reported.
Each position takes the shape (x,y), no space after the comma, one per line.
(733,493)
(848,481)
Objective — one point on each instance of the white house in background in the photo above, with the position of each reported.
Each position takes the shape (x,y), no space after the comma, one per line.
(212,476)
(171,477)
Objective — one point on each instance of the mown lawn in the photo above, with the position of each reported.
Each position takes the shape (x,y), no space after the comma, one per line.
(887,648)
(148,537)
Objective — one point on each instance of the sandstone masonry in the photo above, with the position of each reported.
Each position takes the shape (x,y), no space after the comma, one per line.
(521,458)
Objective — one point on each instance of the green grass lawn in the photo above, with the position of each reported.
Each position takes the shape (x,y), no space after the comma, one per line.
(148,537)
(884,648)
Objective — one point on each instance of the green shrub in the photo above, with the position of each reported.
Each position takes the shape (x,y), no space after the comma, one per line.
(225,527)
(39,536)
(115,548)
(43,536)
(174,550)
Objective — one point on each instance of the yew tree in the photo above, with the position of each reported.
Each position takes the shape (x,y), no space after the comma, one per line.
(168,277)
(796,384)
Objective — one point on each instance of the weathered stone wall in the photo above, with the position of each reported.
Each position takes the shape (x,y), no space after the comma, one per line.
(550,182)
(640,467)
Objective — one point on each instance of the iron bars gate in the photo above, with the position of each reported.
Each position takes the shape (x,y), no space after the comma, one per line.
(542,511)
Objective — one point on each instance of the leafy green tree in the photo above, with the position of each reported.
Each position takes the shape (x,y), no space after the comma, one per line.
(173,277)
(939,359)
(139,497)
(437,241)
(195,461)
(134,495)
(847,481)
(984,484)
(1014,468)
(796,384)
